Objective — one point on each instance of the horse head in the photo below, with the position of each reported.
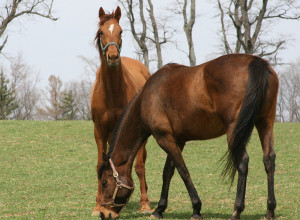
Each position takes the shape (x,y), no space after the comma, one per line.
(116,189)
(109,37)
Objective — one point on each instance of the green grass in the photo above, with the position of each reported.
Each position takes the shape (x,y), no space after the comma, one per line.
(48,171)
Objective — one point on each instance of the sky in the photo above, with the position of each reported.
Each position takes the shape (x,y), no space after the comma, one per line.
(54,47)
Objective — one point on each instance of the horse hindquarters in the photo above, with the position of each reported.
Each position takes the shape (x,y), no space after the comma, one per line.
(240,130)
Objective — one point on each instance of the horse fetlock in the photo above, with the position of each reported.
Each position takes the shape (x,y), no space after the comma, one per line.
(197,217)
(235,215)
(270,215)
(156,215)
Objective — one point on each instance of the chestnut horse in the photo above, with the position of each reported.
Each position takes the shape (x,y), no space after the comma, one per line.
(117,80)
(229,95)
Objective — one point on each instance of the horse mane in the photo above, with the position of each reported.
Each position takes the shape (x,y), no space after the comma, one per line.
(117,126)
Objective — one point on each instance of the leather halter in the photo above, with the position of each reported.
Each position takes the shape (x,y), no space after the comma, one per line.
(106,46)
(119,185)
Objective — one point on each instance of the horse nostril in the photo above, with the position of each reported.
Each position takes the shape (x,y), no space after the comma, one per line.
(117,56)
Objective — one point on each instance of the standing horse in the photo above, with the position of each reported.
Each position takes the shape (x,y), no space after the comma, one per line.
(229,95)
(117,80)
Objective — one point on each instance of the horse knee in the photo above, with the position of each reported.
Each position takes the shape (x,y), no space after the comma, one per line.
(243,167)
(139,169)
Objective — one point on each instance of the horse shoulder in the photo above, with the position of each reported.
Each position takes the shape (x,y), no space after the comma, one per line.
(135,72)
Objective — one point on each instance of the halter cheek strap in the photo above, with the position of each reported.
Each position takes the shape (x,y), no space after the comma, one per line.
(107,45)
(119,185)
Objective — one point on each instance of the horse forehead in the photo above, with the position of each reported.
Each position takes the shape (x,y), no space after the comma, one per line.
(111,28)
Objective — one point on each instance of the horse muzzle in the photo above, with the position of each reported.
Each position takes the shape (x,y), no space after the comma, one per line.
(106,214)
(114,60)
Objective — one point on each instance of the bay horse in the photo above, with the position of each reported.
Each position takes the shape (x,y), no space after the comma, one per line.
(229,95)
(118,79)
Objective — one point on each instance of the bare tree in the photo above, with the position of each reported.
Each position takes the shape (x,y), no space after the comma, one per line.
(188,24)
(11,10)
(25,85)
(156,34)
(250,20)
(52,110)
(81,91)
(139,36)
(289,94)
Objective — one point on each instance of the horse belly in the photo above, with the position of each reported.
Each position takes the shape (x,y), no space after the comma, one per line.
(201,126)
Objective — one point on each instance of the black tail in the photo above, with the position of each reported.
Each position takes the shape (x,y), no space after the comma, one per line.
(257,87)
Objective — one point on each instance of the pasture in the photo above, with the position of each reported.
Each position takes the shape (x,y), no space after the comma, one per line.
(48,171)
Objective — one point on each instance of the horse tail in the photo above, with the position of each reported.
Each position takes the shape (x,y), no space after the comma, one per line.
(256,90)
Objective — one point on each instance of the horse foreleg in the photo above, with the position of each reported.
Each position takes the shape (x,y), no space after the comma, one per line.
(140,171)
(101,142)
(239,204)
(167,176)
(170,146)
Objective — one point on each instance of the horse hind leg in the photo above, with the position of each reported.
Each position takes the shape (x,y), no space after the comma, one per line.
(265,131)
(242,170)
(239,204)
(140,171)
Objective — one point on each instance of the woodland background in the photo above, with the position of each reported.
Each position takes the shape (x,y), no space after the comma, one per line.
(244,27)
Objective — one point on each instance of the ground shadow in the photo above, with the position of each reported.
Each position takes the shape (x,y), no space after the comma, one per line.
(132,212)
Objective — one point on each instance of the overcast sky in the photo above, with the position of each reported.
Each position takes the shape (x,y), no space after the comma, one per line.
(53,47)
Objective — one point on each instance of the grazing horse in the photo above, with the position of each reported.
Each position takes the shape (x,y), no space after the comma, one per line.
(229,95)
(117,80)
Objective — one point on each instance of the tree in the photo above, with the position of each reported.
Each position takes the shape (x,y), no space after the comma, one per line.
(159,34)
(139,36)
(7,98)
(11,10)
(247,21)
(188,24)
(68,106)
(25,86)
(53,110)
(288,105)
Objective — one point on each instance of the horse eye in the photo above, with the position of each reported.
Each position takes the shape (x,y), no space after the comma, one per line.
(101,33)
(121,32)
(104,182)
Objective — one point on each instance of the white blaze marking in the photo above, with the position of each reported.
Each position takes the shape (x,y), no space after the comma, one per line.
(111,28)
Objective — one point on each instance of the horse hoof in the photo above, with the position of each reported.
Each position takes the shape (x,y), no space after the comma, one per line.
(155,217)
(146,209)
(95,213)
(197,217)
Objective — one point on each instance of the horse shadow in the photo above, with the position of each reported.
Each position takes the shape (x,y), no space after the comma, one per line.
(132,212)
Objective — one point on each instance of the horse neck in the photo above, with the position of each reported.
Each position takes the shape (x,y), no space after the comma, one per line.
(113,79)
(128,138)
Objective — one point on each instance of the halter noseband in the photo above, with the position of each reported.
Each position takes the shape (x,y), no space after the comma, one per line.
(106,46)
(119,185)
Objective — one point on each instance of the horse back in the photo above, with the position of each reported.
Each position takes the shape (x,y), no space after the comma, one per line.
(196,102)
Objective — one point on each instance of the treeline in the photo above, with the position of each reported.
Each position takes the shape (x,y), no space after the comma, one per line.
(21,97)
(243,27)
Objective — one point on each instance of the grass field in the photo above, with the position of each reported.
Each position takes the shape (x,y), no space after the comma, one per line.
(48,171)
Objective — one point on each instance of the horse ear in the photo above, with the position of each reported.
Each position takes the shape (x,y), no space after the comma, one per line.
(101,13)
(105,157)
(118,14)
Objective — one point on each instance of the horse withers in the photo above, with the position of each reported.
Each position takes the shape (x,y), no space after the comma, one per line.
(229,95)
(117,80)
